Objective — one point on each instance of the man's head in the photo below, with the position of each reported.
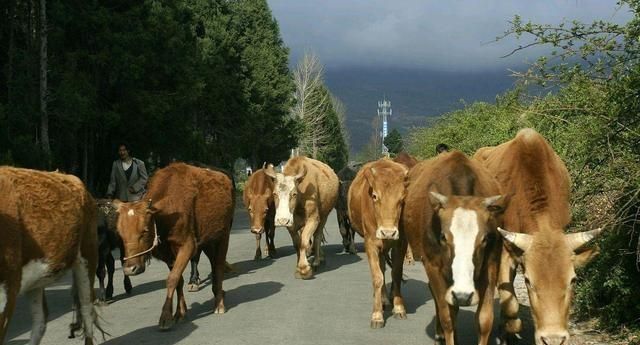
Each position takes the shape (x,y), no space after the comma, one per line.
(440,148)
(123,151)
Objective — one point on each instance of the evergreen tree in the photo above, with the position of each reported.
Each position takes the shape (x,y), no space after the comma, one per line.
(393,142)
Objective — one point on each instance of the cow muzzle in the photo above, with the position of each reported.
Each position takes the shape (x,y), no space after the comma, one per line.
(462,298)
(257,231)
(284,221)
(552,338)
(133,270)
(387,233)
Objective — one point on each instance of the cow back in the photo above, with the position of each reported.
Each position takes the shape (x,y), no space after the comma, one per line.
(192,201)
(528,169)
(319,187)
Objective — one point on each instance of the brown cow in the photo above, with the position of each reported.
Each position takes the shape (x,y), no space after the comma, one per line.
(306,192)
(346,176)
(48,227)
(409,161)
(258,199)
(452,209)
(536,218)
(376,197)
(192,209)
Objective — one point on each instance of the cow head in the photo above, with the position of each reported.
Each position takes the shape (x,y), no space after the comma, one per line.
(285,194)
(549,259)
(137,230)
(467,231)
(387,191)
(258,208)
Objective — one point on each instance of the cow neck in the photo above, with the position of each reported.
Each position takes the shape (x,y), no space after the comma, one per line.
(156,241)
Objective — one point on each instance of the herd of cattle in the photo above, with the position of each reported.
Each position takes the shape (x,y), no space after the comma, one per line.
(470,221)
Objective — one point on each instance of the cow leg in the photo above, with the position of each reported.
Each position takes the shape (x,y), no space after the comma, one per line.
(38,315)
(127,281)
(181,307)
(445,314)
(101,273)
(217,254)
(377,279)
(270,230)
(303,270)
(83,282)
(258,254)
(8,296)
(484,313)
(352,238)
(408,258)
(511,324)
(194,278)
(398,253)
(294,232)
(185,252)
(111,268)
(318,236)
(386,303)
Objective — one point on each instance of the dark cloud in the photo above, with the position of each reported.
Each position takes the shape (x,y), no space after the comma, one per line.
(449,35)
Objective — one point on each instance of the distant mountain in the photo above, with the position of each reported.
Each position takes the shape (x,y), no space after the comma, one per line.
(415,95)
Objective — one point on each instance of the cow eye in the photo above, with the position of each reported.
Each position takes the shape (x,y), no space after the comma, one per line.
(250,208)
(374,195)
(443,238)
(293,194)
(573,281)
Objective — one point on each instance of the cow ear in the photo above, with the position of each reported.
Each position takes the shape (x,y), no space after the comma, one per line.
(438,200)
(117,204)
(270,172)
(301,174)
(496,204)
(584,256)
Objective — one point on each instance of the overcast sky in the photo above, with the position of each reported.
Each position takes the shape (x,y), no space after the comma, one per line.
(429,34)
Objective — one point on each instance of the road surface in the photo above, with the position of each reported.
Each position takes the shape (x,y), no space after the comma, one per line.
(265,303)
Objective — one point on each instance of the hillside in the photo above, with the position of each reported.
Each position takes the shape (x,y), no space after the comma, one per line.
(415,95)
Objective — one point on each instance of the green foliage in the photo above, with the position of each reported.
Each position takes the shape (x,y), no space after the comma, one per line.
(592,123)
(188,80)
(393,141)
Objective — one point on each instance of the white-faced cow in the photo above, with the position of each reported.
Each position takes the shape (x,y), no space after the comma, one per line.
(258,199)
(451,214)
(376,198)
(305,193)
(47,227)
(534,224)
(187,208)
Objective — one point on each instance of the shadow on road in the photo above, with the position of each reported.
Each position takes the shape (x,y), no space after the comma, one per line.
(21,319)
(154,335)
(336,258)
(235,297)
(466,326)
(415,293)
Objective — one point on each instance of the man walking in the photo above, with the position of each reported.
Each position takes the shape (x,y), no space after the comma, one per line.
(128,177)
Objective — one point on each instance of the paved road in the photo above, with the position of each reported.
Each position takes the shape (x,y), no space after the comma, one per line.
(265,303)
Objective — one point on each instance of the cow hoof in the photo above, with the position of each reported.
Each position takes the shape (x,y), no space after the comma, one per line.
(308,274)
(375,324)
(400,315)
(109,293)
(273,253)
(508,339)
(220,310)
(166,323)
(193,287)
(127,286)
(258,256)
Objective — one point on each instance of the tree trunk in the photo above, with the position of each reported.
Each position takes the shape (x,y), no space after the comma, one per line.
(44,116)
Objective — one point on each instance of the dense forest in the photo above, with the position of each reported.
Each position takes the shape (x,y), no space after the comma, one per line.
(188,80)
(590,115)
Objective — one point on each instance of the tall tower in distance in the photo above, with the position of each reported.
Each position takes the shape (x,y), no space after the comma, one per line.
(384,111)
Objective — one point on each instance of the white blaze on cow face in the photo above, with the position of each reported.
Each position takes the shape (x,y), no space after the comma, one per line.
(285,194)
(3,298)
(131,213)
(464,229)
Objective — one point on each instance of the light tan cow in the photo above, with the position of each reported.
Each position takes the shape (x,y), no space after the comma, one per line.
(47,228)
(376,197)
(529,169)
(305,193)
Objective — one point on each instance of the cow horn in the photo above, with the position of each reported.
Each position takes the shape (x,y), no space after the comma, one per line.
(520,240)
(149,203)
(438,199)
(578,239)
